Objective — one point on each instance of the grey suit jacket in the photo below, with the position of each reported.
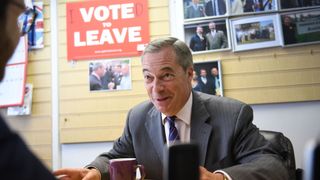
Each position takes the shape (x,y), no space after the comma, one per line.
(219,41)
(194,13)
(95,83)
(222,128)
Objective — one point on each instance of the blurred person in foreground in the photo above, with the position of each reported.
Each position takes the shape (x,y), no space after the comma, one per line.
(16,161)
(230,145)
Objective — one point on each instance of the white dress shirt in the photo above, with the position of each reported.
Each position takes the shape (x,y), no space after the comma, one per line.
(204,80)
(182,122)
(213,33)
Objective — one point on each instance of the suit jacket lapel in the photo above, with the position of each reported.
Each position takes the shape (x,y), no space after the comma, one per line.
(200,130)
(155,130)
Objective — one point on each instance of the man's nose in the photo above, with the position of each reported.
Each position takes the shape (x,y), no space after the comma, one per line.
(158,85)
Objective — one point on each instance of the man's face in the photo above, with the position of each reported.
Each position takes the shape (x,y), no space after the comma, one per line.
(125,70)
(101,71)
(167,84)
(195,1)
(117,69)
(212,26)
(199,30)
(214,71)
(203,73)
(287,20)
(9,34)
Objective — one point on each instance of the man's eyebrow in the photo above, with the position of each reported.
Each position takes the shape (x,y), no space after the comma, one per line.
(167,68)
(145,70)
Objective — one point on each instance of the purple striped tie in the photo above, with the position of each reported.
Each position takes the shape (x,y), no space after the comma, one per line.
(173,132)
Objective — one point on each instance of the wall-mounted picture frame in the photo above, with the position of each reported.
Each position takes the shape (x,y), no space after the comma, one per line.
(208,35)
(240,7)
(296,4)
(195,9)
(207,78)
(301,27)
(255,32)
(110,75)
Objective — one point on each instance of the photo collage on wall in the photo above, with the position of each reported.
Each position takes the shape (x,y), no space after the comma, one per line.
(238,25)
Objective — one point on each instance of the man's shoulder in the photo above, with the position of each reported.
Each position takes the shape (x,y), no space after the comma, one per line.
(195,37)
(220,32)
(140,113)
(93,77)
(143,107)
(209,3)
(189,7)
(218,100)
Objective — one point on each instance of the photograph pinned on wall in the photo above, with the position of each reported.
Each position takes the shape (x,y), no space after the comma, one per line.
(302,27)
(209,35)
(204,8)
(295,4)
(36,34)
(25,108)
(239,7)
(110,75)
(207,78)
(255,32)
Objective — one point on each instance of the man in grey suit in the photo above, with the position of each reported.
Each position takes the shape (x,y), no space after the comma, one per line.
(215,38)
(194,10)
(98,71)
(230,145)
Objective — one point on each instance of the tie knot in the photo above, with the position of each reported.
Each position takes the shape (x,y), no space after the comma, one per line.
(173,132)
(171,119)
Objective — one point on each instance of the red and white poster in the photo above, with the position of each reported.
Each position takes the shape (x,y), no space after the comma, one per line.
(106,28)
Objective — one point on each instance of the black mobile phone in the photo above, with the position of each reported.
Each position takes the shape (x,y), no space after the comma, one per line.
(312,160)
(182,162)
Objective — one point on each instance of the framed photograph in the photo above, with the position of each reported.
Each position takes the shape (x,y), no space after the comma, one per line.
(302,27)
(204,8)
(207,78)
(291,4)
(25,108)
(255,32)
(110,75)
(239,7)
(209,35)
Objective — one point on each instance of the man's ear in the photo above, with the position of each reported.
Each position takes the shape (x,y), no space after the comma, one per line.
(190,72)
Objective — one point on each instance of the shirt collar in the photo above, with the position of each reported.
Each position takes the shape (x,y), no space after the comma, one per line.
(184,114)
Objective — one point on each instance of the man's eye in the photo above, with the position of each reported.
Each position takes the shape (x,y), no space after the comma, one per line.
(147,78)
(168,77)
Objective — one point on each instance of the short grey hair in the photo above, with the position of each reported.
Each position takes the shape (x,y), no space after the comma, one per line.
(181,50)
(96,66)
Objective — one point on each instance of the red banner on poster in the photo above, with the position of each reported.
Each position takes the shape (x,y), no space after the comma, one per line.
(106,28)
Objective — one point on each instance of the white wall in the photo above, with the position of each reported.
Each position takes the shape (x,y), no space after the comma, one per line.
(298,121)
(79,155)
